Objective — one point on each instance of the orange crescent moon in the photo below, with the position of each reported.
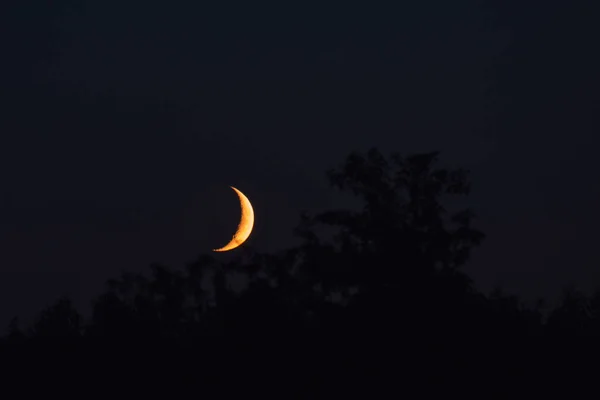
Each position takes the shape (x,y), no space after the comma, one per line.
(245,226)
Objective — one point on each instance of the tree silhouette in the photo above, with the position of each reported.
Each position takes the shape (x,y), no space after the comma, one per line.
(60,320)
(403,230)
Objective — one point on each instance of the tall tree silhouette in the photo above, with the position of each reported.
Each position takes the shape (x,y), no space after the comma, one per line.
(402,251)
(403,230)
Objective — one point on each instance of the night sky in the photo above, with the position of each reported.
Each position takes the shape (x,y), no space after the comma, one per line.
(124,122)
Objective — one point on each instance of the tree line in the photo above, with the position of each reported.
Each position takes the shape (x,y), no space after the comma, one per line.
(372,302)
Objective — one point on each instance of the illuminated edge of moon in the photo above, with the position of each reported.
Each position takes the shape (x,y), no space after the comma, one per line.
(245,225)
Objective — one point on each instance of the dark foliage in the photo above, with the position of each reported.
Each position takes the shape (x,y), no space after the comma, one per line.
(373,303)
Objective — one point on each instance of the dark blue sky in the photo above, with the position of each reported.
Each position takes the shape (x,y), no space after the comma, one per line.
(123,123)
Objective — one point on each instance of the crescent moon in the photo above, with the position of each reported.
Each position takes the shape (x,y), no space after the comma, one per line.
(245,226)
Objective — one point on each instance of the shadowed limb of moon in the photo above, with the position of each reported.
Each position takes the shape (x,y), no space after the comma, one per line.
(245,226)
